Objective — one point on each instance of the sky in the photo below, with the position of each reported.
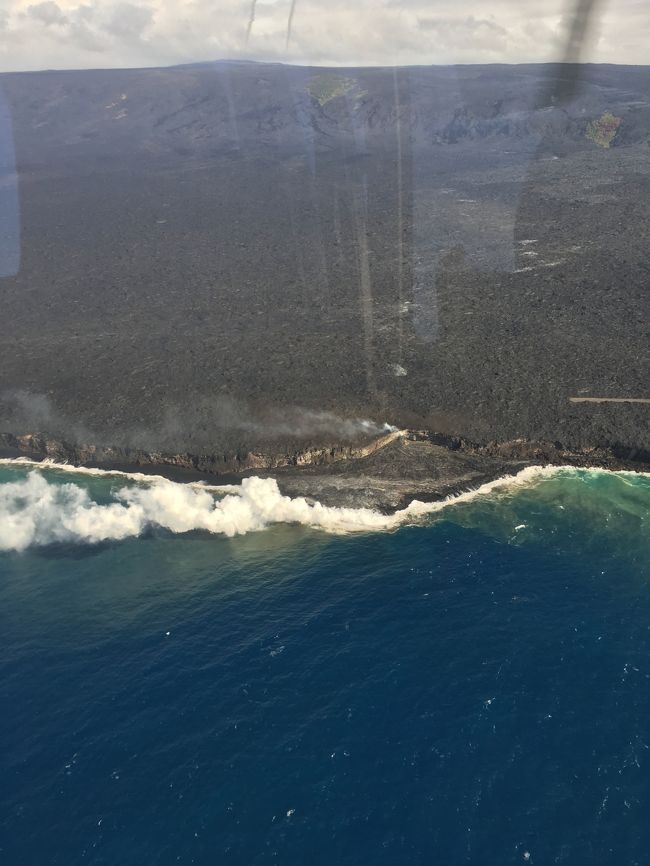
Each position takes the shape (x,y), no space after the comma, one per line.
(68,34)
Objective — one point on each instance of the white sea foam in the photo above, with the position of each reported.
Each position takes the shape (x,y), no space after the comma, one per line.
(78,470)
(35,512)
(95,472)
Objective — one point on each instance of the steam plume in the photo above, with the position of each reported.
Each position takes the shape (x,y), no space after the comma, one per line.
(35,512)
(251,20)
(290,23)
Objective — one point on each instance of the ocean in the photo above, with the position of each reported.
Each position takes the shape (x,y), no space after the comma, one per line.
(264,682)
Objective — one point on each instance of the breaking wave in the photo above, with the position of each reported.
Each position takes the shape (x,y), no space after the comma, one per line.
(34,511)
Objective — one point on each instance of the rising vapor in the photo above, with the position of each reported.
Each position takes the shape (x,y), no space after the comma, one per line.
(34,512)
(290,23)
(251,20)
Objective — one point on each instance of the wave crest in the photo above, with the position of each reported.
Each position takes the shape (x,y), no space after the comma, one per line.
(36,512)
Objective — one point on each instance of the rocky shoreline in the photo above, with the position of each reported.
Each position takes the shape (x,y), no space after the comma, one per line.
(385,473)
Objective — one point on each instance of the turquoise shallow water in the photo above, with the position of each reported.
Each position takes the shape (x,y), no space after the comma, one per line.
(474,688)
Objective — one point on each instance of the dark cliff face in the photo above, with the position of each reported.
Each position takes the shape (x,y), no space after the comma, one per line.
(386,474)
(203,247)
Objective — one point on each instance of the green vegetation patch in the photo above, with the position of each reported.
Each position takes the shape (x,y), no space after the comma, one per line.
(603,131)
(325,88)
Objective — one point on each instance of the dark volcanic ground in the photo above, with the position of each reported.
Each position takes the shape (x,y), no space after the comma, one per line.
(208,251)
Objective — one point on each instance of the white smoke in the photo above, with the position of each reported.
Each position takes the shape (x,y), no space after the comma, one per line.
(25,411)
(292,421)
(35,512)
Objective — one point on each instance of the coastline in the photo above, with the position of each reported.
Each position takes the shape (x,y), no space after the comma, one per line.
(386,474)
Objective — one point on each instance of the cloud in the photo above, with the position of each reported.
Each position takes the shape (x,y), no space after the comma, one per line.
(69,33)
(470,32)
(48,13)
(128,21)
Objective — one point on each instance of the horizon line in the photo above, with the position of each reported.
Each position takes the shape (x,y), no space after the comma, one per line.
(328,66)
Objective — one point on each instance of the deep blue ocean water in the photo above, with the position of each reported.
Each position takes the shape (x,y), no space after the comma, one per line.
(475,689)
